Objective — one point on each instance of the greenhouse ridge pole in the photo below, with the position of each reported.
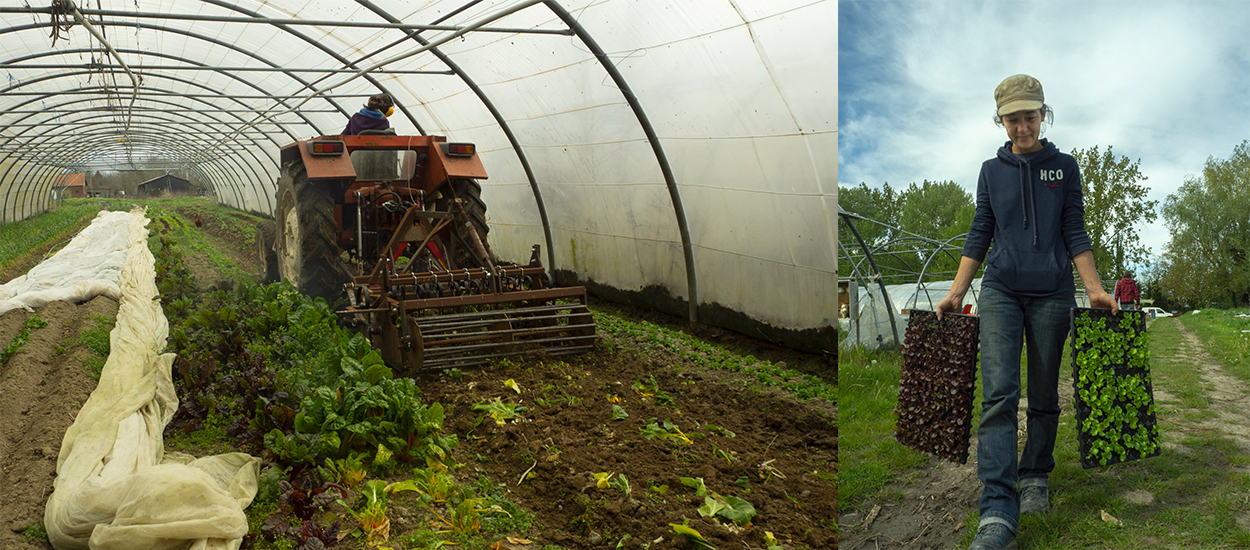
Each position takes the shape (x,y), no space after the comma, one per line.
(134,94)
(692,287)
(282,21)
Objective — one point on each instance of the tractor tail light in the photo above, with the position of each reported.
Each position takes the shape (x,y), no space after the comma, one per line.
(325,148)
(461,149)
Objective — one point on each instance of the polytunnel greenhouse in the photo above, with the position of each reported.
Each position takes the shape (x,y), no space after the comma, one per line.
(675,155)
(482,274)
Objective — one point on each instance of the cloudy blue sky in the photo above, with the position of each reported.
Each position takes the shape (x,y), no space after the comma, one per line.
(1167,82)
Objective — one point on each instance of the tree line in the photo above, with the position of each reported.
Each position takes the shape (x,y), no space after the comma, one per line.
(1206,263)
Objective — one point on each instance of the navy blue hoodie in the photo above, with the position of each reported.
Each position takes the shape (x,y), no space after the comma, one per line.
(1034,214)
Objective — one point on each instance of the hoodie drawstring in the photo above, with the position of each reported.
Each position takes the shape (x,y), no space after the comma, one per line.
(1032,202)
(1027,194)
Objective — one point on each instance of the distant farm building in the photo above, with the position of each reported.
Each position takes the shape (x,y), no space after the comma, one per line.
(70,186)
(168,182)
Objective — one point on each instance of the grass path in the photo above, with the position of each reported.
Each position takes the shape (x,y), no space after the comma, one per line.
(1196,494)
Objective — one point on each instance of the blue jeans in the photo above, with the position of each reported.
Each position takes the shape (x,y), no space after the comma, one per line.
(1006,321)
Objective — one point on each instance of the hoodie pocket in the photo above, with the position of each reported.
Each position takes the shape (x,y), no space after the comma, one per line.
(1029,272)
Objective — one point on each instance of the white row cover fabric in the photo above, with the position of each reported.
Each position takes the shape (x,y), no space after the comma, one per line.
(88,266)
(115,487)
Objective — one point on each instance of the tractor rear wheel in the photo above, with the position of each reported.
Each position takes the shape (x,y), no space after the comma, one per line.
(470,191)
(308,252)
(266,256)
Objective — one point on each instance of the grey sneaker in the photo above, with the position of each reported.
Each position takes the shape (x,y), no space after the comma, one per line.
(994,536)
(1034,499)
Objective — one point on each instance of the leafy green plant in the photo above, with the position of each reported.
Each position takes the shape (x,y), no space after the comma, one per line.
(349,472)
(696,483)
(731,508)
(667,430)
(499,411)
(618,413)
(692,536)
(652,391)
(1112,378)
(436,483)
(621,483)
(372,518)
(295,518)
(96,339)
(32,323)
(728,456)
(369,409)
(35,534)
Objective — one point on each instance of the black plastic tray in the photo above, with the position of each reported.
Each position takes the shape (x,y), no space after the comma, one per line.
(936,384)
(1121,368)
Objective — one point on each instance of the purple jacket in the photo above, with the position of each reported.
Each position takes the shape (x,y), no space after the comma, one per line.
(366,119)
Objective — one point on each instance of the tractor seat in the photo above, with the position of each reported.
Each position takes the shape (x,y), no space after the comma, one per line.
(386,132)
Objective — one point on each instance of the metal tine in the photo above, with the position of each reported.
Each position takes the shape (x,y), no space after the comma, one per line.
(450,350)
(492,336)
(428,330)
(482,359)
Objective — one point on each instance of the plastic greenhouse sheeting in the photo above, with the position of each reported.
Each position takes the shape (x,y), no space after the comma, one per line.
(870,325)
(873,315)
(115,487)
(733,120)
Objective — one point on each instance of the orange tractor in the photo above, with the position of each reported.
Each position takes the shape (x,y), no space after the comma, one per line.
(396,225)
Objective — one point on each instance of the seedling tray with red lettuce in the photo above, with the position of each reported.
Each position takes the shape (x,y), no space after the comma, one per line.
(936,384)
(1115,408)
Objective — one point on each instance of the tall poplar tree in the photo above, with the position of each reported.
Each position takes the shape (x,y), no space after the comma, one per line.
(1115,206)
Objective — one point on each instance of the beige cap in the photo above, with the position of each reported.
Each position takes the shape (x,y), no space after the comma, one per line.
(1018,93)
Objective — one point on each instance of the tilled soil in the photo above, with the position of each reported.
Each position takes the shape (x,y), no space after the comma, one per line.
(568,434)
(41,389)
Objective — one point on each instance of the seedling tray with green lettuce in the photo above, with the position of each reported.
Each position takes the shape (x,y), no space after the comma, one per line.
(1115,408)
(936,384)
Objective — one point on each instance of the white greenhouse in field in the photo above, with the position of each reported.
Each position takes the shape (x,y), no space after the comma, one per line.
(681,156)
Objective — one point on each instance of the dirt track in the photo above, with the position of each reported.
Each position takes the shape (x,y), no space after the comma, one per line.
(41,390)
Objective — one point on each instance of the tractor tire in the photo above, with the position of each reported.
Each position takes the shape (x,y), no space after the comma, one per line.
(308,252)
(470,191)
(266,256)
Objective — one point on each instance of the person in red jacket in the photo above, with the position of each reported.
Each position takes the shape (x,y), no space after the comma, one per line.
(1126,292)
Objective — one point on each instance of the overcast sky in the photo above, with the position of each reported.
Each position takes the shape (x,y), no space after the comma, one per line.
(1167,82)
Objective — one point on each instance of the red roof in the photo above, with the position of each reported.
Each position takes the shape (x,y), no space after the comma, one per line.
(69,180)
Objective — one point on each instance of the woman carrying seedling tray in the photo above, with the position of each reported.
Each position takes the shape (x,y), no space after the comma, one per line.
(1029,206)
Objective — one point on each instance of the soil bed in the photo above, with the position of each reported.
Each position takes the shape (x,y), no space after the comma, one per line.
(572,436)
(746,439)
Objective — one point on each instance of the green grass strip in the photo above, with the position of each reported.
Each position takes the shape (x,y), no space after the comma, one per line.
(19,239)
(870,457)
(1221,331)
(708,355)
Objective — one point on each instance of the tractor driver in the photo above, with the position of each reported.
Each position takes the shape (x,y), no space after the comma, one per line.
(373,116)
